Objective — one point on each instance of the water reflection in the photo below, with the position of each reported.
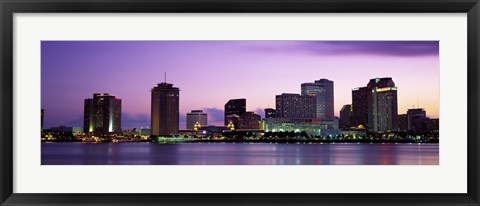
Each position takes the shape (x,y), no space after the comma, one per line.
(238,154)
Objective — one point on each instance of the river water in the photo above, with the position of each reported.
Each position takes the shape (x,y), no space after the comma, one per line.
(238,154)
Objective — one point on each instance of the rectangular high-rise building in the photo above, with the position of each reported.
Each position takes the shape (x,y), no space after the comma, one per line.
(235,107)
(102,114)
(382,105)
(360,106)
(417,120)
(196,116)
(296,106)
(323,91)
(165,109)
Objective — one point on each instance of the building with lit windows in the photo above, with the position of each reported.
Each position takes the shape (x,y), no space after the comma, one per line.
(102,114)
(235,107)
(270,113)
(382,105)
(249,120)
(312,126)
(232,121)
(144,132)
(165,109)
(295,106)
(323,91)
(196,116)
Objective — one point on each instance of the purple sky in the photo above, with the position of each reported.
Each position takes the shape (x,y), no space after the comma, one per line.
(209,73)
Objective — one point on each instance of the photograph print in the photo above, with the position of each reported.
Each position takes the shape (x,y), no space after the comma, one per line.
(240,102)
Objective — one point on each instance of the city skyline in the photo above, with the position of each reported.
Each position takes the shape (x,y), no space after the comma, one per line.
(198,91)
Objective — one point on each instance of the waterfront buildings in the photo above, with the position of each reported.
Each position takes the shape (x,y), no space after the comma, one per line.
(144,132)
(417,120)
(312,126)
(233,120)
(77,129)
(323,91)
(433,124)
(206,131)
(196,116)
(295,106)
(270,113)
(62,128)
(249,120)
(102,114)
(165,109)
(382,105)
(235,107)
(402,122)
(360,106)
(212,130)
(346,115)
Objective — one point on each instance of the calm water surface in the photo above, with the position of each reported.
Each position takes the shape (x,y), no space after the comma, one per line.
(238,154)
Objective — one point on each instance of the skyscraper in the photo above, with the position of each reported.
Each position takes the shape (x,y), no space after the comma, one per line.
(382,105)
(236,107)
(323,91)
(196,116)
(296,106)
(360,106)
(346,116)
(165,109)
(417,120)
(102,114)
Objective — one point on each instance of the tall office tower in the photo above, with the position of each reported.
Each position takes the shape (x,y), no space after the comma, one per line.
(382,105)
(323,90)
(165,109)
(249,120)
(360,106)
(235,106)
(270,113)
(196,116)
(346,116)
(102,114)
(296,106)
(417,120)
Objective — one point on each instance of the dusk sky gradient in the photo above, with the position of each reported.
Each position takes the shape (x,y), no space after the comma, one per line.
(209,73)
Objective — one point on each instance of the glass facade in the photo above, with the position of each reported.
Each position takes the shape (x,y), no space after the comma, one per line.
(102,114)
(382,105)
(323,91)
(235,107)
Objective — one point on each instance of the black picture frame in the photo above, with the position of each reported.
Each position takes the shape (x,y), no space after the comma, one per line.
(10,7)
